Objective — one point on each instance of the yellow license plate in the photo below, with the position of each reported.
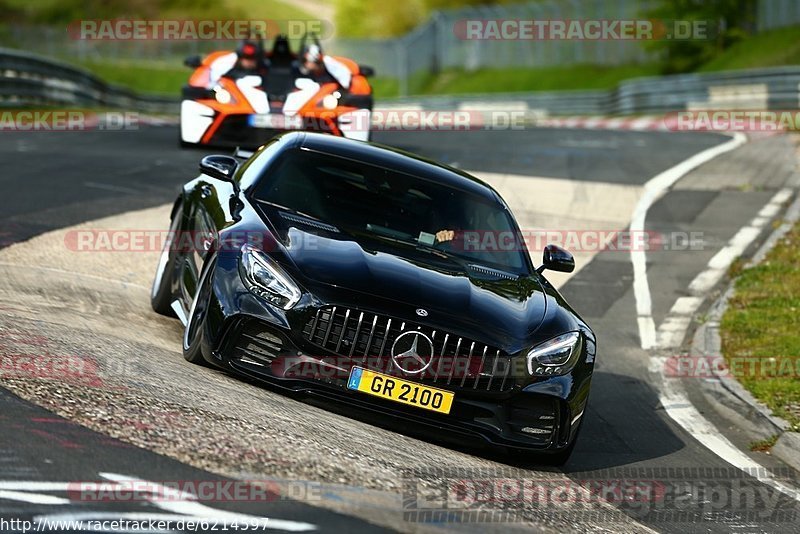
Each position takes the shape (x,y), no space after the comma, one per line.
(399,390)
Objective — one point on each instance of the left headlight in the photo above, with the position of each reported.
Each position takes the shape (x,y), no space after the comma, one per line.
(265,278)
(222,95)
(556,356)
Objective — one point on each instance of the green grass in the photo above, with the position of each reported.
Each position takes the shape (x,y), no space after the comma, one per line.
(769,49)
(143,77)
(760,328)
(764,445)
(61,11)
(542,79)
(268,10)
(384,87)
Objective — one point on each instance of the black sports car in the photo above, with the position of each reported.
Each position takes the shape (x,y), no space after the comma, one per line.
(351,271)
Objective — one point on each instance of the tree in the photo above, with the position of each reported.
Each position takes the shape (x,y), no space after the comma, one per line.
(726,21)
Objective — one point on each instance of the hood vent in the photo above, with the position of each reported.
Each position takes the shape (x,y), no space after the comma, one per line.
(494,273)
(319,225)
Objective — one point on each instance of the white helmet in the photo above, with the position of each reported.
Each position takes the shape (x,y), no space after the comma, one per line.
(313,53)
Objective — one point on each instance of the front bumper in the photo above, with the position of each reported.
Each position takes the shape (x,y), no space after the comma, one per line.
(251,338)
(201,124)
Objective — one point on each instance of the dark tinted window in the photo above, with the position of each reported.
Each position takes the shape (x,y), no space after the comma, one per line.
(372,201)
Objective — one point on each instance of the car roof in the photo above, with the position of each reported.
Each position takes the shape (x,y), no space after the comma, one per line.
(395,159)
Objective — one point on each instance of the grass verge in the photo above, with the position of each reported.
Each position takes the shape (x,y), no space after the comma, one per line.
(542,79)
(759,330)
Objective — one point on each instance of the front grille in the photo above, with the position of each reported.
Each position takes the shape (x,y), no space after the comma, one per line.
(255,346)
(457,361)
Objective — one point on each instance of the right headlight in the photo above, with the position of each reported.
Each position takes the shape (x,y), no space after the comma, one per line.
(265,278)
(555,356)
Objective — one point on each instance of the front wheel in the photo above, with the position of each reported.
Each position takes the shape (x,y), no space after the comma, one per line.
(161,293)
(560,458)
(193,334)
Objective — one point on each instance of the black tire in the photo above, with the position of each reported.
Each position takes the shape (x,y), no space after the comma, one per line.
(195,322)
(161,296)
(560,458)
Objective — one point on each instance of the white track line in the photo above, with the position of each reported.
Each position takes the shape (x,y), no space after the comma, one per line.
(673,329)
(672,395)
(32,498)
(185,504)
(653,190)
(681,410)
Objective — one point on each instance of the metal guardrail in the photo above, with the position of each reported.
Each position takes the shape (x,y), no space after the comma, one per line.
(28,79)
(775,88)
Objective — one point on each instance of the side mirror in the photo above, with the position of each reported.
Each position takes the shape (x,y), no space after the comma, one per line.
(366,71)
(219,167)
(193,62)
(556,258)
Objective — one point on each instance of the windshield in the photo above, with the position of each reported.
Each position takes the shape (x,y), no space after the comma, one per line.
(370,202)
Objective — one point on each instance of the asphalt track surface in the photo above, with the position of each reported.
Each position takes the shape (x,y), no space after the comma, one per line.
(55,180)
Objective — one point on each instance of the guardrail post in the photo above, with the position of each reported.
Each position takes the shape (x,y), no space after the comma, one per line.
(401,52)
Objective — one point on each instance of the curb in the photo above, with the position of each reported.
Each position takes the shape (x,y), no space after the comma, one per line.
(728,397)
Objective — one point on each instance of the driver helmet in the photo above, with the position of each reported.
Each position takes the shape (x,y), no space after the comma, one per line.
(248,50)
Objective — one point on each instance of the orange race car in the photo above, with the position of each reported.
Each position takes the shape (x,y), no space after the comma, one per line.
(244,97)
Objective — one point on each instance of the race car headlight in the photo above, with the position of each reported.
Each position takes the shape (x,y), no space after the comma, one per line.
(556,356)
(331,101)
(262,276)
(222,95)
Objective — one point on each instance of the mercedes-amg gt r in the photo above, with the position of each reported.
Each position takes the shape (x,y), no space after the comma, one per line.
(350,271)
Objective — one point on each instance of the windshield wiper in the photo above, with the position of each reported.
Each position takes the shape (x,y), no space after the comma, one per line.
(397,235)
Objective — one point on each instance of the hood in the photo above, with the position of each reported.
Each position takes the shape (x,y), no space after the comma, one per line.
(513,308)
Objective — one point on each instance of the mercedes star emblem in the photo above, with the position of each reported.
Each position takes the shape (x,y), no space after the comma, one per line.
(412,352)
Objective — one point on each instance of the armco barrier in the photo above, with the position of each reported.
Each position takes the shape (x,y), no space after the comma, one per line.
(776,88)
(28,79)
